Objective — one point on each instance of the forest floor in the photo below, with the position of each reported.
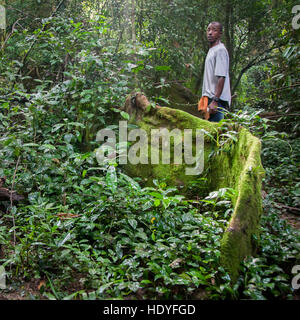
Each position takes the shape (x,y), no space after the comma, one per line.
(24,291)
(31,289)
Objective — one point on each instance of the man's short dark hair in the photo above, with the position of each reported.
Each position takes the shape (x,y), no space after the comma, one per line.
(219,24)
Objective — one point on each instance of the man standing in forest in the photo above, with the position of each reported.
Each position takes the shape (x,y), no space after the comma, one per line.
(216,95)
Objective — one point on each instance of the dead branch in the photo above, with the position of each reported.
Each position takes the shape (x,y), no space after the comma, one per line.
(10,34)
(272,115)
(281,205)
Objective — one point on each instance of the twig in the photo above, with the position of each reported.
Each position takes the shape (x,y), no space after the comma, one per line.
(281,115)
(10,34)
(280,205)
(11,198)
(286,87)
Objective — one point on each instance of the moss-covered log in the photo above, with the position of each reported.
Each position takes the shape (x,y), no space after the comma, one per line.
(237,165)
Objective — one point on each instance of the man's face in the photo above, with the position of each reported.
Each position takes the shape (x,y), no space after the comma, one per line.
(213,32)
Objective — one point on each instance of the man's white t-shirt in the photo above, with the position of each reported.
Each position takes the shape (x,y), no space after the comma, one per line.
(216,65)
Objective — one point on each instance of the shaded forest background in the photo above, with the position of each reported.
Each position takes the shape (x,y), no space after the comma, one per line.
(65,69)
(167,41)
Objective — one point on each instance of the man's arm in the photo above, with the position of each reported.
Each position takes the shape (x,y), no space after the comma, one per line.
(218,91)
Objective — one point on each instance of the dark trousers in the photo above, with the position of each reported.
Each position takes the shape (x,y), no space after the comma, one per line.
(220,111)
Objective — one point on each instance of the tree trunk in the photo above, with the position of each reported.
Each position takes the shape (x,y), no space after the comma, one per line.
(133,37)
(133,33)
(228,33)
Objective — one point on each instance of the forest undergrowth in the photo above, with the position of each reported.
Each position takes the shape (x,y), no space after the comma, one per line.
(89,232)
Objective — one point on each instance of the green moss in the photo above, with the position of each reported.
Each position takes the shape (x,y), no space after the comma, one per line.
(238,167)
(244,174)
(183,120)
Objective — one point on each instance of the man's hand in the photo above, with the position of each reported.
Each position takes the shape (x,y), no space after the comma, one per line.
(213,107)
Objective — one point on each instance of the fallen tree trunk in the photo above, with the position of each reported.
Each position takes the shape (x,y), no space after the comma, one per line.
(230,169)
(8,195)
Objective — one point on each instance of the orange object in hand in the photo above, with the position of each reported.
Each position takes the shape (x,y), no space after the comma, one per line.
(203,107)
